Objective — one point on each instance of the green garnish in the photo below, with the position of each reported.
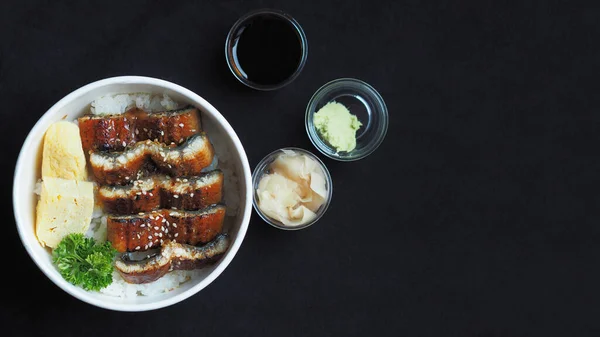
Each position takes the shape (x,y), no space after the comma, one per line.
(82,262)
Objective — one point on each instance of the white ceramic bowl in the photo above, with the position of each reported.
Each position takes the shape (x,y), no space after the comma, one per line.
(75,104)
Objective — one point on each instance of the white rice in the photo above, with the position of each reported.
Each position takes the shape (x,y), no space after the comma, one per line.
(118,104)
(171,281)
(230,187)
(38,187)
(98,211)
(230,190)
(98,229)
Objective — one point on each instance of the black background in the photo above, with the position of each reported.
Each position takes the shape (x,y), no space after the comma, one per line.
(476,217)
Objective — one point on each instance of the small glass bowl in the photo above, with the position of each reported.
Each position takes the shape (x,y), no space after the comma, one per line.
(263,167)
(363,101)
(234,34)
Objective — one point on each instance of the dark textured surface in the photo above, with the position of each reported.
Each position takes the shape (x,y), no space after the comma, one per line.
(476,217)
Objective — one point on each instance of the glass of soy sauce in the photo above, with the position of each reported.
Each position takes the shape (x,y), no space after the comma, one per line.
(266,49)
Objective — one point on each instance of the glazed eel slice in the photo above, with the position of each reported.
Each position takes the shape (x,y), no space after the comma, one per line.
(116,132)
(119,168)
(188,193)
(143,231)
(172,256)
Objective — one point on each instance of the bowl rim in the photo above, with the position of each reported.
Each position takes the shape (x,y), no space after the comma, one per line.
(279,13)
(262,165)
(368,90)
(83,295)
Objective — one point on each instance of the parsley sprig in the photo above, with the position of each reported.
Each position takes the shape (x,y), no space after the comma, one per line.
(81,261)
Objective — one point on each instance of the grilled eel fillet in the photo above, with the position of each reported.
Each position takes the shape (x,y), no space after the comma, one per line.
(118,168)
(143,231)
(172,256)
(186,193)
(116,132)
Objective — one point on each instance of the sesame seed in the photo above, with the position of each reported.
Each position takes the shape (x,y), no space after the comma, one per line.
(173,207)
(149,237)
(176,235)
(169,165)
(138,236)
(146,130)
(124,144)
(160,235)
(166,230)
(151,194)
(174,241)
(138,193)
(137,132)
(174,225)
(156,228)
(142,225)
(185,180)
(126,178)
(180,124)
(193,130)
(164,220)
(161,241)
(150,244)
(151,217)
(162,133)
(141,213)
(175,196)
(146,247)
(137,248)
(192,194)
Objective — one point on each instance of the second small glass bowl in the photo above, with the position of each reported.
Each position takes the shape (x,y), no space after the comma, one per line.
(372,113)
(263,167)
(237,29)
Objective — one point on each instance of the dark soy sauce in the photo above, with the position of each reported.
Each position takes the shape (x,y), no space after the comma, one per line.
(268,50)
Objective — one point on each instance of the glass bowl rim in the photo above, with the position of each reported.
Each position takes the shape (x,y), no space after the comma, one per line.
(259,169)
(279,13)
(366,89)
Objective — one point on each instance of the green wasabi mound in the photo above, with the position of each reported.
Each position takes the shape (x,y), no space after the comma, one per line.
(337,126)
